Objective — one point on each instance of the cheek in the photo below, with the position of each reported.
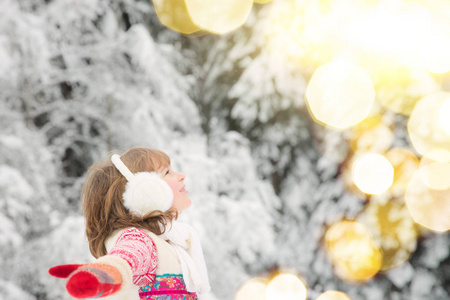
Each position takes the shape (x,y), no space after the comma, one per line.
(174,189)
(176,197)
(181,201)
(173,186)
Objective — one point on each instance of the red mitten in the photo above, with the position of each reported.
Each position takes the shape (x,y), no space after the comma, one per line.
(89,280)
(63,271)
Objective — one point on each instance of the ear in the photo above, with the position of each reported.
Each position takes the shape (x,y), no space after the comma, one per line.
(146,192)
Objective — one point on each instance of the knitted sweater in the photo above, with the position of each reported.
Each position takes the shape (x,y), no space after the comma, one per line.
(149,266)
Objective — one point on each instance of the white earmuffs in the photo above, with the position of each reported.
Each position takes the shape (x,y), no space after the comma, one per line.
(145,191)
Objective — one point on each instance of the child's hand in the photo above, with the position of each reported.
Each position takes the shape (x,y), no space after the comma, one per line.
(89,280)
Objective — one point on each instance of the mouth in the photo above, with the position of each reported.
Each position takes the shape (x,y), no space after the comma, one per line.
(183,190)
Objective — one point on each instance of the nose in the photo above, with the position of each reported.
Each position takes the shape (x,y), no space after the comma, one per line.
(181,177)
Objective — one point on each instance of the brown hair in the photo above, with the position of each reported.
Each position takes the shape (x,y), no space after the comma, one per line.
(102,202)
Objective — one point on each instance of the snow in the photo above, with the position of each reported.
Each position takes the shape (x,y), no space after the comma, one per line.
(9,236)
(422,284)
(14,183)
(401,275)
(437,250)
(77,82)
(8,290)
(11,141)
(5,59)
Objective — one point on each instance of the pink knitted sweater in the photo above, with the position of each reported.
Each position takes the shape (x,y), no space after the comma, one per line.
(137,248)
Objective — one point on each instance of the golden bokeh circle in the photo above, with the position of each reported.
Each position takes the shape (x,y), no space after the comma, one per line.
(424,128)
(434,169)
(340,94)
(428,207)
(352,251)
(372,173)
(286,287)
(333,295)
(174,15)
(254,289)
(219,16)
(393,230)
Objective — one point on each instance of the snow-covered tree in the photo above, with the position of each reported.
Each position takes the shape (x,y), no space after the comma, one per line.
(80,78)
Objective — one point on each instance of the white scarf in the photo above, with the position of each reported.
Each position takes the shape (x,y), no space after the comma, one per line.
(186,243)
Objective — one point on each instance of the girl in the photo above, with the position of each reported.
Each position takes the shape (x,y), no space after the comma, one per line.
(130,205)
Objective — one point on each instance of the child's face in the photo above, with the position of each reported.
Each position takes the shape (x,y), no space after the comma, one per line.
(175,180)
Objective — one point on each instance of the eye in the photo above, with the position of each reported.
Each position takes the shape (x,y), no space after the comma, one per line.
(168,171)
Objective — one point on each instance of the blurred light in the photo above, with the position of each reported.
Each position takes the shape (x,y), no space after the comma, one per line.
(373,173)
(444,116)
(347,177)
(435,169)
(438,155)
(435,52)
(352,251)
(391,30)
(340,94)
(262,1)
(254,289)
(405,163)
(333,295)
(371,135)
(284,32)
(428,207)
(174,15)
(424,126)
(399,88)
(219,16)
(391,39)
(286,287)
(393,230)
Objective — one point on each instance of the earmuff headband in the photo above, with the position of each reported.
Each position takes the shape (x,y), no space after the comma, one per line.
(118,163)
(144,191)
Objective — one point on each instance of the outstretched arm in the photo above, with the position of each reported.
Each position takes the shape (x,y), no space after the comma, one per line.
(89,280)
(133,259)
(138,249)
